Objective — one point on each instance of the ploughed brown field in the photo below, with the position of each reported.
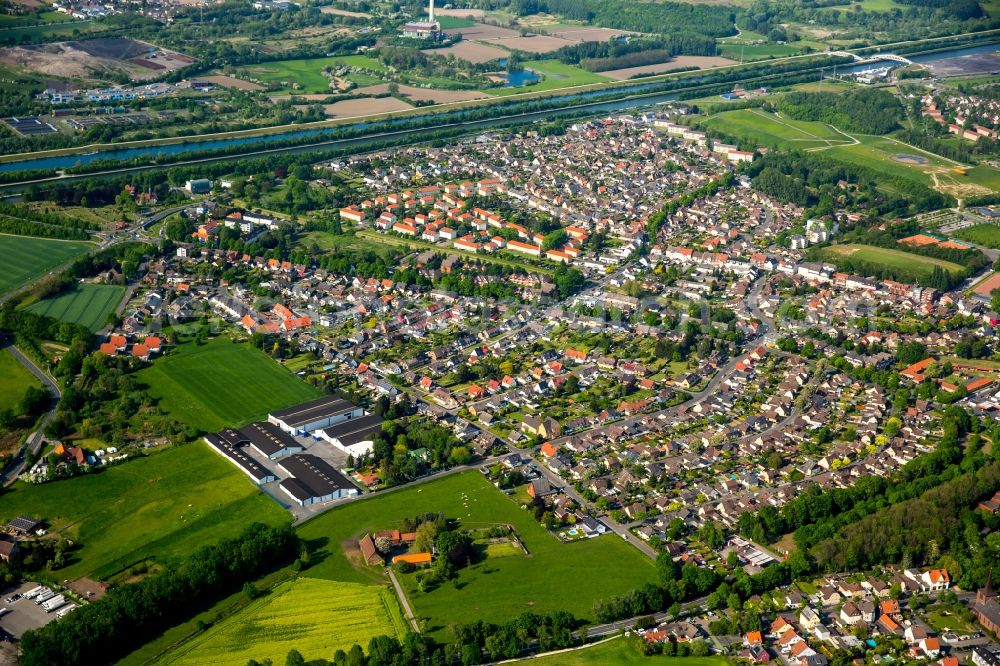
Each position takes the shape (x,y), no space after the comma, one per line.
(679,62)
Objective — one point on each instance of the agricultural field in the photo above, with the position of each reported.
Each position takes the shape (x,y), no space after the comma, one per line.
(16,380)
(160,507)
(86,304)
(363,107)
(616,652)
(890,257)
(750,52)
(24,34)
(26,258)
(222,383)
(454,22)
(315,617)
(987,235)
(871,6)
(554,75)
(493,589)
(677,62)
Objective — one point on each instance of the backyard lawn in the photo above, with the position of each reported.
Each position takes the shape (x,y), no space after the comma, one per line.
(26,258)
(86,304)
(162,507)
(315,617)
(944,620)
(222,383)
(553,576)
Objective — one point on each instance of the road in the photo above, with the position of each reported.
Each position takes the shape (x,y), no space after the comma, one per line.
(410,617)
(768,334)
(35,439)
(107,239)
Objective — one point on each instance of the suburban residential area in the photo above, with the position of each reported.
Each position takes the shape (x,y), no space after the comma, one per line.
(540,334)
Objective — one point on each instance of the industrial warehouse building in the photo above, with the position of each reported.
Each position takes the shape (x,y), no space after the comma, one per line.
(315,415)
(229,443)
(270,441)
(353,437)
(312,480)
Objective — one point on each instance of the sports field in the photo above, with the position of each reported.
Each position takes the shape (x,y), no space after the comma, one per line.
(25,258)
(554,576)
(315,617)
(86,304)
(222,383)
(987,235)
(16,380)
(890,257)
(617,652)
(161,507)
(554,75)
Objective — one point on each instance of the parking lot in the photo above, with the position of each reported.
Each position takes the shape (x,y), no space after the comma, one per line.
(22,614)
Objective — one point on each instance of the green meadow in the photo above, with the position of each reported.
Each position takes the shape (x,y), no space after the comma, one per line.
(158,508)
(85,304)
(222,383)
(553,575)
(25,258)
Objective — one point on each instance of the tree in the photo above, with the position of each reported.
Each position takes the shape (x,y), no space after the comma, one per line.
(295,658)
(454,547)
(460,455)
(568,281)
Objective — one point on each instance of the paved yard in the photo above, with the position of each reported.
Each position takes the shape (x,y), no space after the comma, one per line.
(22,615)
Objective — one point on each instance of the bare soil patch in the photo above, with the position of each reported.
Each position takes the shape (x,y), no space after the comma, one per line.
(364,107)
(533,44)
(232,82)
(471,14)
(424,94)
(304,98)
(88,589)
(344,12)
(914,160)
(470,52)
(679,62)
(95,57)
(483,31)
